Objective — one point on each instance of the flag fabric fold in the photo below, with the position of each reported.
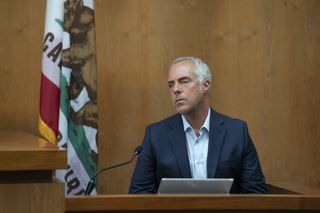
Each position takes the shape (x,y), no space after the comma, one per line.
(50,74)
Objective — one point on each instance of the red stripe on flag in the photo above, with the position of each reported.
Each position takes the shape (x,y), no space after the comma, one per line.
(49,103)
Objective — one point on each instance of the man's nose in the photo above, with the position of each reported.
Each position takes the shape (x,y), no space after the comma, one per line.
(176,88)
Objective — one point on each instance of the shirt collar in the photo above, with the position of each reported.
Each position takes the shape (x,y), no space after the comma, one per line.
(205,125)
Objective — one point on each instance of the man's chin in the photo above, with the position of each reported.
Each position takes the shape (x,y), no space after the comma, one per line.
(182,109)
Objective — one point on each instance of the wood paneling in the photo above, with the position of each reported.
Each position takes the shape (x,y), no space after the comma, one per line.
(21,34)
(192,203)
(32,198)
(264,55)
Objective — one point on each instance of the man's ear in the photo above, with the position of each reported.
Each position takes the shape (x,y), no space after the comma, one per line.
(206,86)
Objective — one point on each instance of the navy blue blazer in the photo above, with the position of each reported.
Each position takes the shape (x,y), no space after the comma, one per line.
(231,154)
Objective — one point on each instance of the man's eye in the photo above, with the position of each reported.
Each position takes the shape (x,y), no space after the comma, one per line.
(184,81)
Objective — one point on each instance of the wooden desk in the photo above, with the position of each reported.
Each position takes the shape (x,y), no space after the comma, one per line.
(193,203)
(27,164)
(283,197)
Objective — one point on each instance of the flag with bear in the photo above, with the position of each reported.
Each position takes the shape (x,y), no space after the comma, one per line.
(68,93)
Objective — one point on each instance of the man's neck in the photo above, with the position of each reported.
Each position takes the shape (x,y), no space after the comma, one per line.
(197,118)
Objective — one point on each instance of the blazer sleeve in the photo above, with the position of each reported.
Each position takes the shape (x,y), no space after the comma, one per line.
(144,176)
(252,179)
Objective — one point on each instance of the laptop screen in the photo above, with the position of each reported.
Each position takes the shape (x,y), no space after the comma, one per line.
(195,186)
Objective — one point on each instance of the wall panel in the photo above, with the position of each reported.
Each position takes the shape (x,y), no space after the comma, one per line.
(22,24)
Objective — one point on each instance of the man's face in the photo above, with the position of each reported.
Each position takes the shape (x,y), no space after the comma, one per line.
(185,88)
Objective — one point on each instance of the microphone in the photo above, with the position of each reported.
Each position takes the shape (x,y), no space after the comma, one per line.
(92,184)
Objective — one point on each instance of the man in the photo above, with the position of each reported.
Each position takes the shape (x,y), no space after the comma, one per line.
(196,142)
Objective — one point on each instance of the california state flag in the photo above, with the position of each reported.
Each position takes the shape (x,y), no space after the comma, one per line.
(68,93)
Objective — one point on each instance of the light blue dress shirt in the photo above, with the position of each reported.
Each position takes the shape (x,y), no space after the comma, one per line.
(197,147)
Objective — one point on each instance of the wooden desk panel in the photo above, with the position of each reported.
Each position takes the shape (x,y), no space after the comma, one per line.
(26,174)
(23,151)
(193,203)
(32,198)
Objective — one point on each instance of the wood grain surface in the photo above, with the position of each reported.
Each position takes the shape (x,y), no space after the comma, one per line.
(189,202)
(20,151)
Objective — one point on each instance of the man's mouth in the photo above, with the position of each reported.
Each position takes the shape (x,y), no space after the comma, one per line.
(179,100)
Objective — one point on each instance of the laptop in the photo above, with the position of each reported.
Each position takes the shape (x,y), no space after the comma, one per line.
(195,186)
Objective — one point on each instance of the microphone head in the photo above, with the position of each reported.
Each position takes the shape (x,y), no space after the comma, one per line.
(137,150)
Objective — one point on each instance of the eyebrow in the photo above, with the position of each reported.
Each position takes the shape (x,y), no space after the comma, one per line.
(184,78)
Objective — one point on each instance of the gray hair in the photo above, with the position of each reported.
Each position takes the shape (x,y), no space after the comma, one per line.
(202,70)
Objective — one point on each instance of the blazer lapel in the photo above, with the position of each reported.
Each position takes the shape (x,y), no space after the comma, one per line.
(216,137)
(178,143)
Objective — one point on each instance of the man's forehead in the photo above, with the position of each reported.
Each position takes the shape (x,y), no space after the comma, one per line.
(181,69)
